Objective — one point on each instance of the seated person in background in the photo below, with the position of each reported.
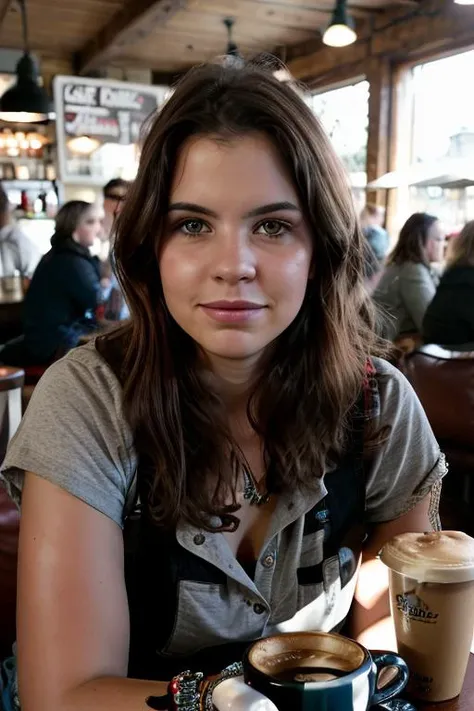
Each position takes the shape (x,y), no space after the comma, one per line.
(64,293)
(449,319)
(371,221)
(115,193)
(17,251)
(408,283)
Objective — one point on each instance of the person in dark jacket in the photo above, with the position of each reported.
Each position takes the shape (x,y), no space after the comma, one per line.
(449,319)
(64,293)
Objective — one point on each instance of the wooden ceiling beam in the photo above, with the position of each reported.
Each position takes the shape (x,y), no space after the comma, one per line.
(5,5)
(131,24)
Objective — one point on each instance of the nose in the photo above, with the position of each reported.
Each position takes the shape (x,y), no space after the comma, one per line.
(234,260)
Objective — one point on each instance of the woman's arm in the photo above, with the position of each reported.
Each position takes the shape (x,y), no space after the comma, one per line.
(370,620)
(73,622)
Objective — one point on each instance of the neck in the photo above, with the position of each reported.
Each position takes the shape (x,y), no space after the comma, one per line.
(232,379)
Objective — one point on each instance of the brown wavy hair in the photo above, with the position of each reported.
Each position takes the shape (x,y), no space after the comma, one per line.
(412,240)
(302,401)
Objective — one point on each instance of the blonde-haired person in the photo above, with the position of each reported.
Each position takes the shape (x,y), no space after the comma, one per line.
(449,319)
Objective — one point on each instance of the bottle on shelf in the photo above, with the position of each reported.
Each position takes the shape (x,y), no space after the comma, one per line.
(51,201)
(24,204)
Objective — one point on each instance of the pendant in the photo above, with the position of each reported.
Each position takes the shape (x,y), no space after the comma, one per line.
(251,493)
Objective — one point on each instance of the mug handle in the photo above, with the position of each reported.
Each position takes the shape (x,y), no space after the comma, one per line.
(382,660)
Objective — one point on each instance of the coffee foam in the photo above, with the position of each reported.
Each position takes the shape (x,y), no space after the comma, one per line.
(313,649)
(435,557)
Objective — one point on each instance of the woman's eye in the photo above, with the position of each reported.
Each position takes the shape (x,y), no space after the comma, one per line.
(272,228)
(194,227)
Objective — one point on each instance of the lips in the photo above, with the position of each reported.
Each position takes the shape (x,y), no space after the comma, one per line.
(233,305)
(233,311)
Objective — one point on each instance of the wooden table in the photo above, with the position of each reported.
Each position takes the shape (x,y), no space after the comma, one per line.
(464,702)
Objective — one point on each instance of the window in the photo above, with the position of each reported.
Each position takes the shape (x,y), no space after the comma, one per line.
(344,113)
(443,137)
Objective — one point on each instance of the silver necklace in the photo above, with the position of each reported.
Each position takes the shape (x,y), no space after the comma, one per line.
(251,492)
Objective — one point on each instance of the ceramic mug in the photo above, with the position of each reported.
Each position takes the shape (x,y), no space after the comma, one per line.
(315,671)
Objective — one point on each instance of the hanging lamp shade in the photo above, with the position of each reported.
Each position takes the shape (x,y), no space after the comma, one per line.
(25,101)
(340,31)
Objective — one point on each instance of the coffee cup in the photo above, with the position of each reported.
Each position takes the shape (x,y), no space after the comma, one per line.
(316,671)
(432,600)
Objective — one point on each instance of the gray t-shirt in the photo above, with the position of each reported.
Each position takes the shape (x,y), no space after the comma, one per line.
(74,434)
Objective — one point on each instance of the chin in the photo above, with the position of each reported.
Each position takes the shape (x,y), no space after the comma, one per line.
(234,351)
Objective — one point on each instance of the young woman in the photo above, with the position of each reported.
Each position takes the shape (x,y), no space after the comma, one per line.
(240,405)
(408,283)
(65,290)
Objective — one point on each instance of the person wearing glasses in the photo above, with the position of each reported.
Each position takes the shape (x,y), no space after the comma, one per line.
(114,193)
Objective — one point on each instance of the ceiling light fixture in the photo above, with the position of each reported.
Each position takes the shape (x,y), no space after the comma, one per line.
(464,2)
(232,55)
(340,31)
(25,101)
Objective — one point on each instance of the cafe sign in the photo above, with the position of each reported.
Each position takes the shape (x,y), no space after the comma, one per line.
(99,124)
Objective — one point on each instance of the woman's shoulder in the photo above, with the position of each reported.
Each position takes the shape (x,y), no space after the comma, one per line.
(391,382)
(414,269)
(398,401)
(408,464)
(84,368)
(75,434)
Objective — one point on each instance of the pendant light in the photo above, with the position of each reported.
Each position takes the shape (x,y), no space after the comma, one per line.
(83,145)
(232,55)
(340,31)
(25,101)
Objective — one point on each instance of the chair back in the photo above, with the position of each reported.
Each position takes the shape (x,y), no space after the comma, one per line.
(444,382)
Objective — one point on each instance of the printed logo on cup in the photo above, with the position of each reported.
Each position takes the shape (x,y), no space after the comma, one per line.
(414,608)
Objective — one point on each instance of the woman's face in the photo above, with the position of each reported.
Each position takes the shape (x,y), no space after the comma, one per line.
(435,244)
(88,228)
(237,251)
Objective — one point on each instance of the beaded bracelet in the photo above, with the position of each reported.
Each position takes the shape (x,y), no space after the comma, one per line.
(189,692)
(185,691)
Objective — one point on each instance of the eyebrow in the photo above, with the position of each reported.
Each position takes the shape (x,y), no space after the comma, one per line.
(262,210)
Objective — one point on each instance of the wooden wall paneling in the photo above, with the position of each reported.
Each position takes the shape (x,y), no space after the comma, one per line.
(379,76)
(133,23)
(400,152)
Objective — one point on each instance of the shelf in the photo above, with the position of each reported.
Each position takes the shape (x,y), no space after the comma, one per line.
(38,218)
